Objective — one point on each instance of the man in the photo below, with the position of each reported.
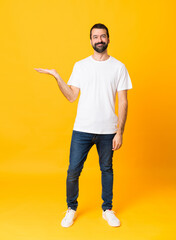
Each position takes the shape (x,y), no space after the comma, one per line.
(99,77)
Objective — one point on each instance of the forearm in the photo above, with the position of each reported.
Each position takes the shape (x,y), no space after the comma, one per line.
(65,89)
(122,115)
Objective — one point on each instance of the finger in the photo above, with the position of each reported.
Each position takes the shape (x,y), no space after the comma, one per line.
(41,70)
(117,146)
(112,143)
(37,68)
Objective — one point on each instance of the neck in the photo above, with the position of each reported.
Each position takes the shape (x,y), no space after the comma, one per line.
(100,56)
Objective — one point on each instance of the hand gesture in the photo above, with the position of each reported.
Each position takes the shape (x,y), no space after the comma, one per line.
(48,71)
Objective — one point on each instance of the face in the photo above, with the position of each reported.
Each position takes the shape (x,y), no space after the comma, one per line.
(99,40)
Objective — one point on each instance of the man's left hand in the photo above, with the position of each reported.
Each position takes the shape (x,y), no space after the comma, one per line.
(117,141)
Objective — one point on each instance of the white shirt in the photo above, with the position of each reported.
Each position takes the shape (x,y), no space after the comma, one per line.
(99,82)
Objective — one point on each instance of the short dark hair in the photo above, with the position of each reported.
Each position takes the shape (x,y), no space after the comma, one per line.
(99,25)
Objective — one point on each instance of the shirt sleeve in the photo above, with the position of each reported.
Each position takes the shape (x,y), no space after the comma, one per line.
(124,81)
(75,77)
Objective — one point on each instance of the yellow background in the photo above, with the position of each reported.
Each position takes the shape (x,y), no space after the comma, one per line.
(37,120)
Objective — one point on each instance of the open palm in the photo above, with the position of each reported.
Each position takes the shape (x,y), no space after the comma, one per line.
(48,71)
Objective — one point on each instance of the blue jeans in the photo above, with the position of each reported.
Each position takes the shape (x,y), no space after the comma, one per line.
(81,143)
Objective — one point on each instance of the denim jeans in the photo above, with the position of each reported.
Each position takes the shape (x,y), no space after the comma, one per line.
(81,143)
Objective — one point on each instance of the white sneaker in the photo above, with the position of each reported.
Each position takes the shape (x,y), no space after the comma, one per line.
(112,220)
(70,216)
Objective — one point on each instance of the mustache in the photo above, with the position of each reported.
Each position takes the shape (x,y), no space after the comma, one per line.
(100,43)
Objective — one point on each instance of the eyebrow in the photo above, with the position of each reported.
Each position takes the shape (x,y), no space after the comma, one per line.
(100,35)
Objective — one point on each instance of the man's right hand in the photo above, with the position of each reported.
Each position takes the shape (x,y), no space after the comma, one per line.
(48,71)
(71,93)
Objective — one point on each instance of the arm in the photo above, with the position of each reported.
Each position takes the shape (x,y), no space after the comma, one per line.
(122,115)
(71,93)
(122,110)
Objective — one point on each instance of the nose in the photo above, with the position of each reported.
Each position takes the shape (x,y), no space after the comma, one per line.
(99,39)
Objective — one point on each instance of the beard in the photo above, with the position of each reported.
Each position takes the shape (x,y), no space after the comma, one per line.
(100,48)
